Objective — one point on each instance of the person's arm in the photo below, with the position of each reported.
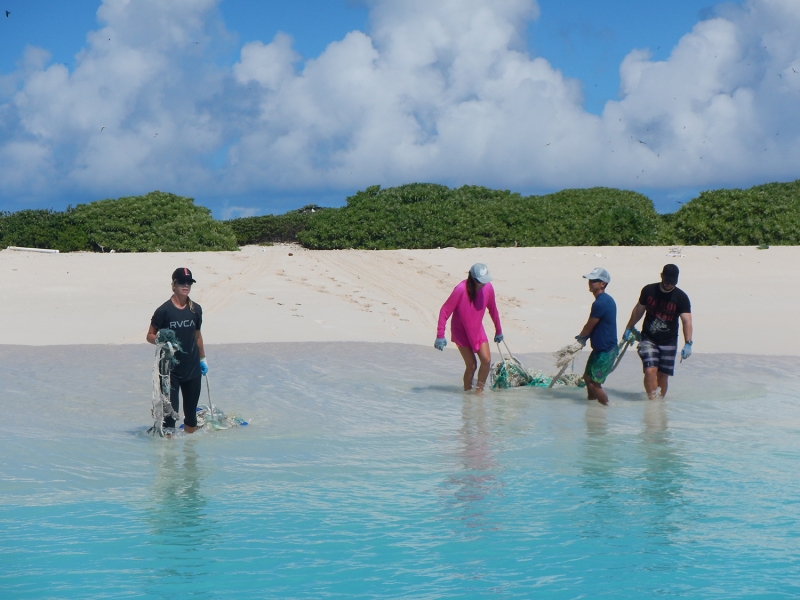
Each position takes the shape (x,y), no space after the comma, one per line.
(447,309)
(589,327)
(686,321)
(492,305)
(636,315)
(199,337)
(151,334)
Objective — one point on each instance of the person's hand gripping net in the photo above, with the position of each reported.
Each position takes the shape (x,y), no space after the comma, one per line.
(632,335)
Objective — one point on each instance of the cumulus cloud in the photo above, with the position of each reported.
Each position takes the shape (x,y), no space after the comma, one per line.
(132,115)
(434,91)
(233,212)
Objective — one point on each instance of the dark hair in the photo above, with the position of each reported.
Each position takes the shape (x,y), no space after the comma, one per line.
(472,288)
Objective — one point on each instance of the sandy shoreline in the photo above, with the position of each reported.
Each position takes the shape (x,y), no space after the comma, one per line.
(742,297)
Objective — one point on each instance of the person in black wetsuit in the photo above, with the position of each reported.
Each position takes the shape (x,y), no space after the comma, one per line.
(185,318)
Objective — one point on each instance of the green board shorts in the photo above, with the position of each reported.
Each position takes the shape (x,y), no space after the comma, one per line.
(600,364)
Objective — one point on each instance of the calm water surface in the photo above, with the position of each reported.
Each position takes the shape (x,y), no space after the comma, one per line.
(366,473)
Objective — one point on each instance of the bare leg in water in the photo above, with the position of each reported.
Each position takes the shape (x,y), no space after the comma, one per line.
(595,391)
(471,365)
(653,380)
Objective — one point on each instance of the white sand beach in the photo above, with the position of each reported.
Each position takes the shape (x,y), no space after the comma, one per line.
(742,297)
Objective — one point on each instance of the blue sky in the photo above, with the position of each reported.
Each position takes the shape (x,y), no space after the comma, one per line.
(201,97)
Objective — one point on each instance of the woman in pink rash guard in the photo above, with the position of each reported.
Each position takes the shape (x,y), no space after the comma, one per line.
(468,304)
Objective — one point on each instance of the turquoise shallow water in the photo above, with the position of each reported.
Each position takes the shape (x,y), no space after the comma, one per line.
(366,473)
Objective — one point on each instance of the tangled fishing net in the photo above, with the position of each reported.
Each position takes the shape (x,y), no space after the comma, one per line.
(209,416)
(167,345)
(509,372)
(567,354)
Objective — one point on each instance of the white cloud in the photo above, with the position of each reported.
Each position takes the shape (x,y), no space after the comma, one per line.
(233,212)
(435,91)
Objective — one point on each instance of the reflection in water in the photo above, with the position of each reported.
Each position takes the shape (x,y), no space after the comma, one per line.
(180,523)
(598,465)
(664,470)
(476,484)
(641,477)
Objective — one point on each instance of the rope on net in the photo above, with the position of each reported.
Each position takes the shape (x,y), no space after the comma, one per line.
(567,354)
(510,372)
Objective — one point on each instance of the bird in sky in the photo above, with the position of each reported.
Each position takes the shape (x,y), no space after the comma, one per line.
(7,13)
(103,127)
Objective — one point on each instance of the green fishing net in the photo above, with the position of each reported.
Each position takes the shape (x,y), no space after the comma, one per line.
(510,372)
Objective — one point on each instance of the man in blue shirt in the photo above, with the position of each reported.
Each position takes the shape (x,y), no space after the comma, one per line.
(601,329)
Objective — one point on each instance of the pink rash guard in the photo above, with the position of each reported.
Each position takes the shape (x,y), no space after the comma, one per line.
(466,328)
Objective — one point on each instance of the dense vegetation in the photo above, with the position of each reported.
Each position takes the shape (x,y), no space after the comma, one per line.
(154,222)
(268,229)
(43,229)
(430,216)
(421,216)
(765,214)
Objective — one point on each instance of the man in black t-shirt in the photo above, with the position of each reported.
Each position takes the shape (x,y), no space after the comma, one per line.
(664,306)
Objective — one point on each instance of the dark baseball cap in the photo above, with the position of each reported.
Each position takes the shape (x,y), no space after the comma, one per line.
(182,275)
(670,274)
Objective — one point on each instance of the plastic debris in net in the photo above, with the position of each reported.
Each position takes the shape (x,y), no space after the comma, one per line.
(211,417)
(509,373)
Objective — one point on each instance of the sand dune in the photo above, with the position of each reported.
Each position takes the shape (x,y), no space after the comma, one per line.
(743,298)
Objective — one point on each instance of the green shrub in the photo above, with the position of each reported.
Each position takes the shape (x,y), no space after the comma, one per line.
(43,229)
(273,228)
(153,222)
(430,216)
(765,214)
(421,216)
(149,223)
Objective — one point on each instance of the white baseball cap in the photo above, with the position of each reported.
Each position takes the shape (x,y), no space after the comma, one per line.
(480,273)
(599,273)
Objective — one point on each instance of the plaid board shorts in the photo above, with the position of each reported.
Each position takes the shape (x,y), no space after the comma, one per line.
(653,355)
(600,364)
